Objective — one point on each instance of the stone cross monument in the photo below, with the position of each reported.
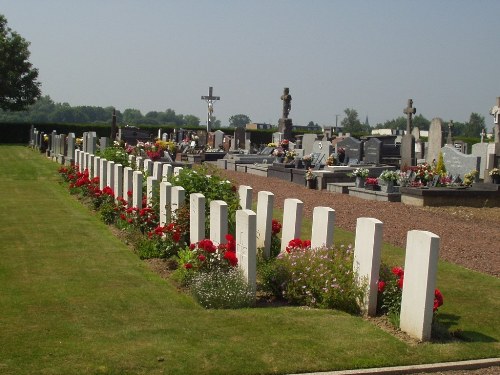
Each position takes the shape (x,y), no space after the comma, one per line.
(408,140)
(210,102)
(285,124)
(449,138)
(495,112)
(409,111)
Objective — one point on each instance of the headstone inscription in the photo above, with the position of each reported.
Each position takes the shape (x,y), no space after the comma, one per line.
(373,150)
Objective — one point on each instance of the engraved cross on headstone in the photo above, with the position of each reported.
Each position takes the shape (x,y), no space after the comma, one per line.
(210,102)
(409,111)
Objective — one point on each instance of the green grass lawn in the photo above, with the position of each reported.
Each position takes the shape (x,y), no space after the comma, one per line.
(75,299)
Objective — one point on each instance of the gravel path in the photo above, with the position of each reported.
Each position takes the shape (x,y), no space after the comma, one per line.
(470,237)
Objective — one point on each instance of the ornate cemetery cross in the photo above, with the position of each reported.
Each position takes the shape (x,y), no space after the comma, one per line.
(483,134)
(210,102)
(409,111)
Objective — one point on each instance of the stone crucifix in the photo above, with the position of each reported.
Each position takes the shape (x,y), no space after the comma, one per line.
(210,102)
(409,111)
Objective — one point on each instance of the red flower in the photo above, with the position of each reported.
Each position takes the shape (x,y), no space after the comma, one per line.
(438,299)
(381,286)
(202,257)
(231,258)
(400,282)
(129,194)
(276,226)
(398,271)
(188,266)
(192,246)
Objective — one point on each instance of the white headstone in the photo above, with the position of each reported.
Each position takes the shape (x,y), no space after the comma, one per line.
(245,194)
(265,202)
(148,167)
(110,178)
(422,253)
(218,221)
(196,217)
(165,202)
(157,170)
(435,141)
(178,199)
(139,163)
(366,264)
(137,189)
(151,188)
(128,178)
(322,227)
(246,246)
(118,186)
(292,221)
(103,170)
(167,172)
(177,170)
(97,166)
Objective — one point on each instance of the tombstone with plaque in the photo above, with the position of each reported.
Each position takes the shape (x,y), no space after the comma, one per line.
(373,151)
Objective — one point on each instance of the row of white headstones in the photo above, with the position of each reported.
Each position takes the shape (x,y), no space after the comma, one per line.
(253,230)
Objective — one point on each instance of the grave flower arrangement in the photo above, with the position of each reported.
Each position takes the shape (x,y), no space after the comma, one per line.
(470,177)
(359,172)
(290,155)
(284,144)
(309,176)
(331,160)
(389,176)
(272,144)
(307,157)
(278,152)
(494,172)
(423,173)
(371,181)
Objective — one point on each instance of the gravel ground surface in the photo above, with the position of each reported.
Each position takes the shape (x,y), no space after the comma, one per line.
(470,237)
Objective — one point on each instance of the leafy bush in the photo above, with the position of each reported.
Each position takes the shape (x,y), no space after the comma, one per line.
(116,154)
(222,289)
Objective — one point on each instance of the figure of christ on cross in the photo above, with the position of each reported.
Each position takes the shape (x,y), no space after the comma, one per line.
(210,102)
(409,111)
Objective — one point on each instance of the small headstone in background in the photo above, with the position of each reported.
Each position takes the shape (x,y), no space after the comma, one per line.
(373,151)
(324,149)
(353,148)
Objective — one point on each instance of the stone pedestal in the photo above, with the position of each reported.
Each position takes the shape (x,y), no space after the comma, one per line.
(408,151)
(285,127)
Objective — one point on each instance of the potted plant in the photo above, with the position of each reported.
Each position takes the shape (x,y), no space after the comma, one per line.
(495,175)
(289,156)
(306,160)
(371,184)
(278,153)
(361,174)
(310,179)
(388,179)
(331,160)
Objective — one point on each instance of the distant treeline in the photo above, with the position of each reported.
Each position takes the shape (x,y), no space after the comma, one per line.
(46,111)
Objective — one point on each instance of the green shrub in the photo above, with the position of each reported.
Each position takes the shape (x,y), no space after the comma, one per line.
(272,276)
(222,289)
(115,154)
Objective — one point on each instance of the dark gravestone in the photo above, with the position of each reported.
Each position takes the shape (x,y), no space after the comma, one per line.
(266,151)
(373,151)
(131,134)
(353,148)
(239,138)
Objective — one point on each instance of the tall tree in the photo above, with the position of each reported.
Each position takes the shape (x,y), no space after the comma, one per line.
(351,124)
(474,126)
(18,79)
(239,121)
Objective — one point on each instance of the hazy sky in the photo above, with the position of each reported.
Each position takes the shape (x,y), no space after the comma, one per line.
(371,56)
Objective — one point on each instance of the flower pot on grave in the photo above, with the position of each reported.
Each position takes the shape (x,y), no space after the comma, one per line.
(311,184)
(387,187)
(360,182)
(298,163)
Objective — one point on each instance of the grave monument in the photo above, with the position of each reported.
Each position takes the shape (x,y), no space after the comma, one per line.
(210,103)
(408,140)
(285,124)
